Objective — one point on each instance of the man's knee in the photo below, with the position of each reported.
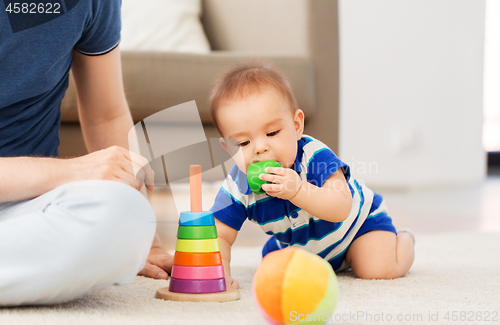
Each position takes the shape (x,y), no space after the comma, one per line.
(107,198)
(110,203)
(117,226)
(87,236)
(120,215)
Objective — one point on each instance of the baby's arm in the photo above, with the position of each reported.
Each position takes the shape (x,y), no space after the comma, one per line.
(331,202)
(227,236)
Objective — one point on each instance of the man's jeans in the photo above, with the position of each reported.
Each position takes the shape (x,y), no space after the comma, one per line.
(75,239)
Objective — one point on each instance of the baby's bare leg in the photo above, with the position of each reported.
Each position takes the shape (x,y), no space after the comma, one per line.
(381,255)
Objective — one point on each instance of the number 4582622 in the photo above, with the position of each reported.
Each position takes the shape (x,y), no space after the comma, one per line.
(471,316)
(34,8)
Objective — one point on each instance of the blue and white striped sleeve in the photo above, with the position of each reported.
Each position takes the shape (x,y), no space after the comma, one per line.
(322,163)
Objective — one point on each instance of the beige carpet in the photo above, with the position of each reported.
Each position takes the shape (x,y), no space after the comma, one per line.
(452,273)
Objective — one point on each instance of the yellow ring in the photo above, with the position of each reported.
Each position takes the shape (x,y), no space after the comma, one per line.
(197,245)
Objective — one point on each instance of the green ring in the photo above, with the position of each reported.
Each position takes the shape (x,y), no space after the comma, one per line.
(197,232)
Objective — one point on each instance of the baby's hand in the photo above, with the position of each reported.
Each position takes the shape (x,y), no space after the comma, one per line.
(230,282)
(286,182)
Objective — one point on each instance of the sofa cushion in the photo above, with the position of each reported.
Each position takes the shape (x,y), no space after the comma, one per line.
(155,81)
(163,25)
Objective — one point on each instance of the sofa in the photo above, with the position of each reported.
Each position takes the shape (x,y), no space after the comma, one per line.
(299,37)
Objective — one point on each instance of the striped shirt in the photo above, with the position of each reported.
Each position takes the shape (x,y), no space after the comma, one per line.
(290,225)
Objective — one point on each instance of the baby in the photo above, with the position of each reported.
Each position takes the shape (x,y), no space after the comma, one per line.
(312,201)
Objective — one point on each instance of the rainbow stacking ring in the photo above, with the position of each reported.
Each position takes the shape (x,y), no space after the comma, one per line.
(196,219)
(197,232)
(197,286)
(197,272)
(197,246)
(197,259)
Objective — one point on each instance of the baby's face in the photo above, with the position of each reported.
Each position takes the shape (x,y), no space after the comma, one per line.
(262,127)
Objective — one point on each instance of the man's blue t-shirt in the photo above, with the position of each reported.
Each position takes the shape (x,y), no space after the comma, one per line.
(37,39)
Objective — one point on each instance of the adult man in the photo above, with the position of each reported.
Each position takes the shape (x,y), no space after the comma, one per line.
(68,226)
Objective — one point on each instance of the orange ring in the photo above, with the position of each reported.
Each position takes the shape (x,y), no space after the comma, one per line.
(197,259)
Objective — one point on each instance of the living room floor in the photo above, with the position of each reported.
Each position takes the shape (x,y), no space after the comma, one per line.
(457,275)
(474,208)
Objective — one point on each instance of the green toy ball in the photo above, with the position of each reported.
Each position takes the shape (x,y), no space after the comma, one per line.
(253,172)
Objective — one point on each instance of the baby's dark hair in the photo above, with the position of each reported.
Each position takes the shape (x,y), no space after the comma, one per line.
(247,79)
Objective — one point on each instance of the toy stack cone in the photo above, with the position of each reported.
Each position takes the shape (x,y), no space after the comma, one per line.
(197,273)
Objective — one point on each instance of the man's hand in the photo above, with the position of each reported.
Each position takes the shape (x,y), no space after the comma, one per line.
(158,264)
(114,163)
(286,182)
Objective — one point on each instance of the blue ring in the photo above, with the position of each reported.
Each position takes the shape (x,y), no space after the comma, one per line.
(205,218)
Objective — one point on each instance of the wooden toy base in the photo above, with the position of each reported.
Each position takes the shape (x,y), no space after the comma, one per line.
(228,295)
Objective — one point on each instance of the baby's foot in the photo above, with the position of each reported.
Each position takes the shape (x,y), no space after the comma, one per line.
(408,230)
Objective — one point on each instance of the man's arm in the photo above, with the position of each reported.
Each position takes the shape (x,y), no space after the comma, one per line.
(26,177)
(102,108)
(106,121)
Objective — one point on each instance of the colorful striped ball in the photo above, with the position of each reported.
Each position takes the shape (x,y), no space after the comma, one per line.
(293,286)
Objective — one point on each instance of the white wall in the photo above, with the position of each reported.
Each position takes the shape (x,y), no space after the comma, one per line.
(411,91)
(491,131)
